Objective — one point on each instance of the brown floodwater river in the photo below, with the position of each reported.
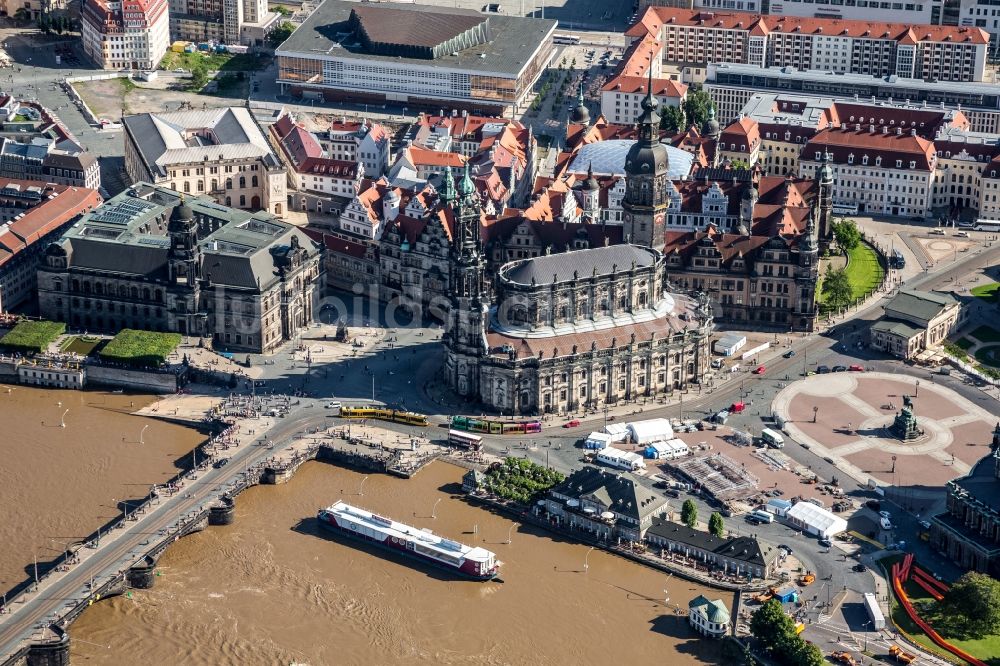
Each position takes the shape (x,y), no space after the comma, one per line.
(59,484)
(272,589)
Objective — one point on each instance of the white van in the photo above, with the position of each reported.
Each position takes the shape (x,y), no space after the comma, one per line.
(761,516)
(772,439)
(885,523)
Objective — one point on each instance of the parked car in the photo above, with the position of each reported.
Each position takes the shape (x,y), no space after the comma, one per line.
(826,543)
(885,514)
(964,224)
(790,353)
(219,464)
(925,524)
(760,370)
(857,368)
(859,567)
(840,368)
(874,505)
(785,548)
(937,232)
(822,369)
(962,234)
(571,424)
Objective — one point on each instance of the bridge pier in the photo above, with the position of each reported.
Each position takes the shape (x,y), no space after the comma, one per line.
(142,576)
(50,652)
(223,513)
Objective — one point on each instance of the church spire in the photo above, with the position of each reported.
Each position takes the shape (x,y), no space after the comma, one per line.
(448,186)
(649,119)
(465,186)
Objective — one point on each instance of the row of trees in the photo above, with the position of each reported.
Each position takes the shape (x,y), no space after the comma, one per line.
(57,24)
(689,516)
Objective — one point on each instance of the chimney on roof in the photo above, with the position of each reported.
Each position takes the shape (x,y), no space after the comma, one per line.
(857,127)
(871,128)
(454,113)
(913,132)
(885,130)
(899,131)
(441,113)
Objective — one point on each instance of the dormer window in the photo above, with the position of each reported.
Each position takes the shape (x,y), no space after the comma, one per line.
(864,160)
(850,158)
(819,155)
(878,160)
(913,164)
(899,164)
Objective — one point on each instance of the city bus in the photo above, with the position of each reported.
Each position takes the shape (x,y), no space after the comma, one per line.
(845,209)
(987,225)
(465,440)
(896,260)
(565,39)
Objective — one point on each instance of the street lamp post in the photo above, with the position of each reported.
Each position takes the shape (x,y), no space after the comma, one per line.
(361,488)
(815,411)
(510,531)
(916,388)
(62,419)
(141,433)
(586,560)
(434,508)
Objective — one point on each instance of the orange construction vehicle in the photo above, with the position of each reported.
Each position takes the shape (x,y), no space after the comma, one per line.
(844,658)
(901,656)
(808,578)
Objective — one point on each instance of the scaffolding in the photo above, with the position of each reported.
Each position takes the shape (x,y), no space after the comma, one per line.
(721,477)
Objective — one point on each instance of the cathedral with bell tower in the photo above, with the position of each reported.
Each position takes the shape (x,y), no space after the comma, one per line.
(465,334)
(647,181)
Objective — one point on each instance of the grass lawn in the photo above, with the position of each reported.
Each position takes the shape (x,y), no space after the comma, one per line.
(80,344)
(964,343)
(863,270)
(986,334)
(32,336)
(989,292)
(222,62)
(140,348)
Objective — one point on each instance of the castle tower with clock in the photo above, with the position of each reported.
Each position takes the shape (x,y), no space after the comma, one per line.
(646,179)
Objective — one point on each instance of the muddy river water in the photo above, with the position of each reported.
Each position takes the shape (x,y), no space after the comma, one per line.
(272,589)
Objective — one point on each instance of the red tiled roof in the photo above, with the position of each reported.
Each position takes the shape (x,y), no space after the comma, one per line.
(59,205)
(891,147)
(656,17)
(637,84)
(425,157)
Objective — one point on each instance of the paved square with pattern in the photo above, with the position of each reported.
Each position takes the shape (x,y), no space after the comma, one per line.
(852,413)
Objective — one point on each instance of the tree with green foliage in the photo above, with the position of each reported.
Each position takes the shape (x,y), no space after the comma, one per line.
(771,626)
(973,604)
(672,119)
(716,525)
(280,34)
(696,107)
(199,74)
(689,513)
(281,9)
(847,234)
(739,165)
(837,292)
(802,653)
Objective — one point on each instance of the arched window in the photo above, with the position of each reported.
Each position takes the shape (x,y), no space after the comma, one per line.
(187,187)
(253,181)
(243,200)
(229,201)
(229,183)
(145,294)
(243,182)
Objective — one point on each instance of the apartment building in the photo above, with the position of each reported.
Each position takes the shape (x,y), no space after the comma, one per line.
(32,214)
(217,152)
(125,34)
(732,85)
(226,21)
(691,38)
(621,96)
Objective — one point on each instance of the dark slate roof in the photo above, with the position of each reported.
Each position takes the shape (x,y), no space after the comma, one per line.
(744,549)
(920,304)
(513,40)
(414,25)
(609,260)
(619,492)
(149,261)
(982,483)
(146,137)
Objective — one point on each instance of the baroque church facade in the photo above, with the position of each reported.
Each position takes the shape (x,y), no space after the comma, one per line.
(580,329)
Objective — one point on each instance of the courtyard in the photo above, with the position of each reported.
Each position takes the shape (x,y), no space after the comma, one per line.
(844,418)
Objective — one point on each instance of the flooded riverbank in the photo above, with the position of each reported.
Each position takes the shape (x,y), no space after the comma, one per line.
(273,589)
(59,484)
